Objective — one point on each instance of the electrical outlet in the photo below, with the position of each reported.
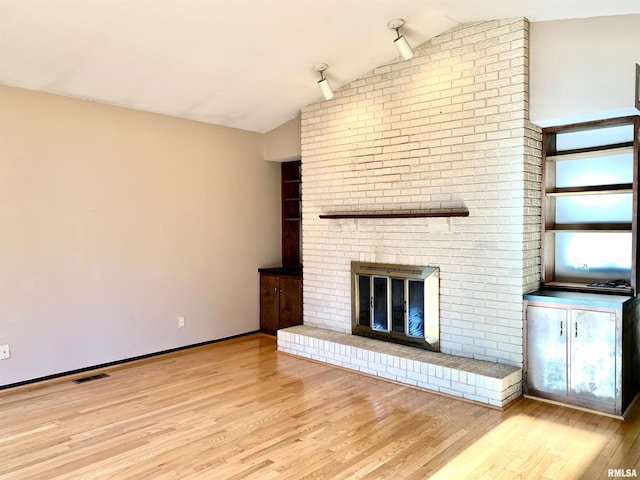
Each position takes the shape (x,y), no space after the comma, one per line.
(5,352)
(180,322)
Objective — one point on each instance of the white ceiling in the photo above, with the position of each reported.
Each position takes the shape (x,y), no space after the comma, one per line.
(241,63)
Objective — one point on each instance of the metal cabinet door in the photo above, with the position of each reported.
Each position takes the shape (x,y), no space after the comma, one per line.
(593,356)
(547,349)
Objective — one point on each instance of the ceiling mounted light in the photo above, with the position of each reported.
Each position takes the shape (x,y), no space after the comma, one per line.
(323,83)
(401,42)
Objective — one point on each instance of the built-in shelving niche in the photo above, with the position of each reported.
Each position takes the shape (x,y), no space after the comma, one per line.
(590,203)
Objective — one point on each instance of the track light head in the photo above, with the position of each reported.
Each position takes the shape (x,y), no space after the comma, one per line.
(401,42)
(323,83)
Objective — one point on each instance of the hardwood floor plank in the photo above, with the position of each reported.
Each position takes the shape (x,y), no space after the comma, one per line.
(238,409)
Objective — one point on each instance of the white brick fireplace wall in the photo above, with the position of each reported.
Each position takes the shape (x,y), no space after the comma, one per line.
(449,128)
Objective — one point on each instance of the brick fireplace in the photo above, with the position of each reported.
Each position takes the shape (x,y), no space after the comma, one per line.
(448,129)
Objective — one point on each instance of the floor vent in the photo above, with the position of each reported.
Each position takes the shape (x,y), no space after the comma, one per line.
(92,377)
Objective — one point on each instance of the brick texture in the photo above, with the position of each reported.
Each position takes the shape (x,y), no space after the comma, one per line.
(448,128)
(471,379)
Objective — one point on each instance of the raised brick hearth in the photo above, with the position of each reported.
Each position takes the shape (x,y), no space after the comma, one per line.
(477,380)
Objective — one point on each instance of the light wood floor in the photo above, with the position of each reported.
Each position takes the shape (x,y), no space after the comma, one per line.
(240,410)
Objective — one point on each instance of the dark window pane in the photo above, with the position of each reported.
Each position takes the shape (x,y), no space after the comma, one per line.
(364,296)
(416,308)
(380,303)
(397,305)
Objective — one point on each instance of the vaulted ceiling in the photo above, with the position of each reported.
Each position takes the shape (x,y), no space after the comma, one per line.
(240,63)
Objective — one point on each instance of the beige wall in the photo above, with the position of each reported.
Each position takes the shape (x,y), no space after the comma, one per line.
(583,69)
(282,144)
(115,222)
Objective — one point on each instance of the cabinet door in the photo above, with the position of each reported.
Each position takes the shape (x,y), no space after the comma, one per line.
(547,349)
(290,302)
(593,355)
(269,303)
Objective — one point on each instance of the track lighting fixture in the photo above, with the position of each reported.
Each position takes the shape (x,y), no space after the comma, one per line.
(323,83)
(401,42)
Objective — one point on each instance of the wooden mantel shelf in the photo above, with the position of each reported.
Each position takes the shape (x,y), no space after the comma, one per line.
(432,212)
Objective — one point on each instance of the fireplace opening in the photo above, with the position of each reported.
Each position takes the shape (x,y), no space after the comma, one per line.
(396,303)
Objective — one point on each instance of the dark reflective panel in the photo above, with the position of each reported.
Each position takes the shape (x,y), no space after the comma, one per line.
(397,305)
(416,308)
(380,304)
(364,296)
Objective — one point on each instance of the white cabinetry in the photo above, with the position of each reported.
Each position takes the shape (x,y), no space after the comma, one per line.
(575,351)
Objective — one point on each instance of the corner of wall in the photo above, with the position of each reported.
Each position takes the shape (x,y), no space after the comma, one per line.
(282,144)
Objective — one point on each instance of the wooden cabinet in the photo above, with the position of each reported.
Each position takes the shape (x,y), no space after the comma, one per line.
(269,303)
(590,204)
(281,287)
(575,350)
(280,299)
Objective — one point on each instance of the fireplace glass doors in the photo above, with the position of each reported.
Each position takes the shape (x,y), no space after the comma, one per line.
(396,303)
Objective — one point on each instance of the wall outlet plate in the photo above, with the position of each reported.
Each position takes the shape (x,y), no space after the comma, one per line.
(180,322)
(5,352)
